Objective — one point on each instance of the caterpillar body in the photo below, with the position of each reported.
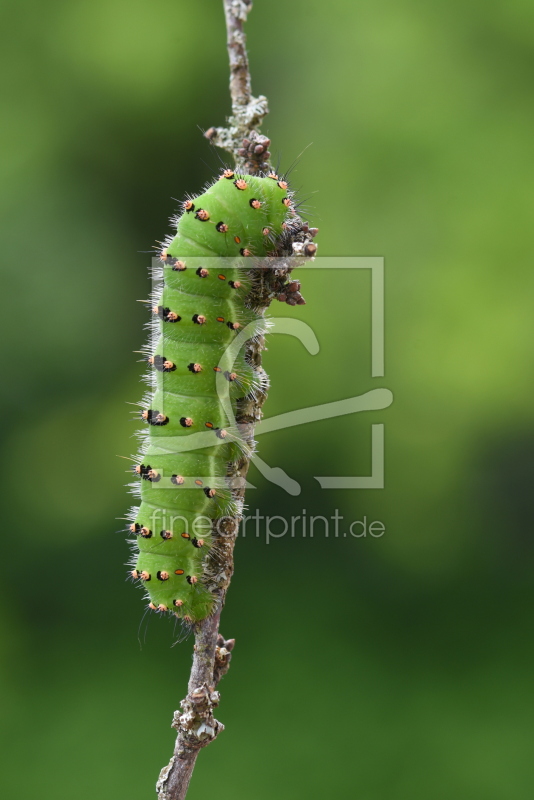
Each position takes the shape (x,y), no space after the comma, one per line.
(198,372)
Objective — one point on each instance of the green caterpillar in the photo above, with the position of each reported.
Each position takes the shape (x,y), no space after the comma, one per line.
(199,372)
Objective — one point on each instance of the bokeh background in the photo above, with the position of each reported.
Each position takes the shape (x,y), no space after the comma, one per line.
(377,668)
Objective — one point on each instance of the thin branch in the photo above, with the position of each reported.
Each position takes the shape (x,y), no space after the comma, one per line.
(195,723)
(240,91)
(248,147)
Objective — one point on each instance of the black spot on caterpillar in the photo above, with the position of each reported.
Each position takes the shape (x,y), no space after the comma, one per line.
(161,363)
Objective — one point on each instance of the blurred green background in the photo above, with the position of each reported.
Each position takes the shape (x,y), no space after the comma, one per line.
(377,669)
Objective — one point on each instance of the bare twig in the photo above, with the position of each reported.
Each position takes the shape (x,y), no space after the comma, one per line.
(195,723)
(249,148)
